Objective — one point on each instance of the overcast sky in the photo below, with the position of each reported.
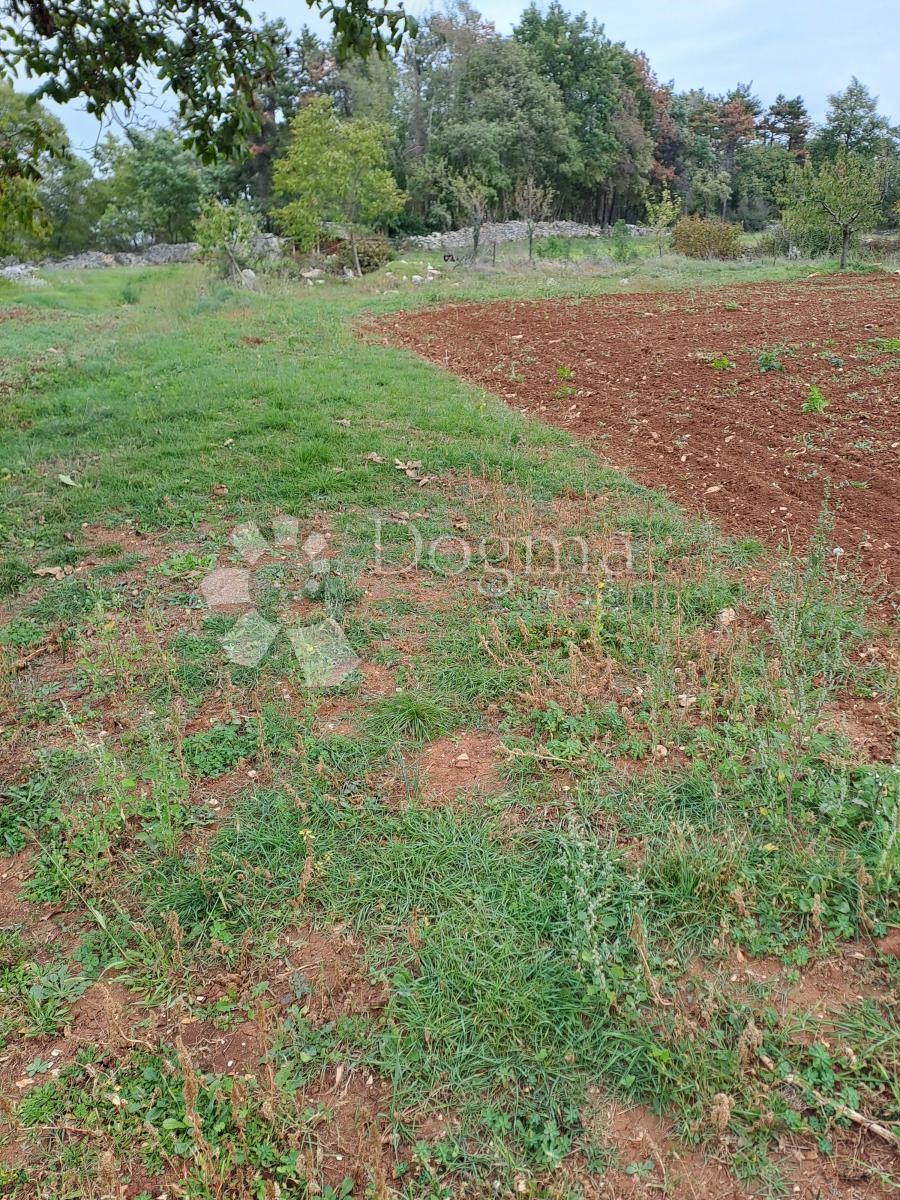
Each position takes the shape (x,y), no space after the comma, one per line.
(810,47)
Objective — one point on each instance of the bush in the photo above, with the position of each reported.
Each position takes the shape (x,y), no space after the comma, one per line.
(373,253)
(698,237)
(623,248)
(556,248)
(774,242)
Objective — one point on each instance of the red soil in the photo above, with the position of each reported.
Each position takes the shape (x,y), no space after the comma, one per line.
(634,375)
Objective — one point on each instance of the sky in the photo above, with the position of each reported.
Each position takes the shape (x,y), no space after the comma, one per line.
(805,47)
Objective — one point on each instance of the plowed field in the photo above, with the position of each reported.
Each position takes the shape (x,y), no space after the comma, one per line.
(705,394)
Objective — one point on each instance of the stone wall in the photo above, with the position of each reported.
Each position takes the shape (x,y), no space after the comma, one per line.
(265,246)
(505,231)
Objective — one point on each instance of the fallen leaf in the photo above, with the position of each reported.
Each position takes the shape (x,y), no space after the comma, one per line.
(68,481)
(228,442)
(219,489)
(716,487)
(345,421)
(374,458)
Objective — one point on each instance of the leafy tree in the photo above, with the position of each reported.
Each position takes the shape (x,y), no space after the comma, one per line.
(73,201)
(225,234)
(853,125)
(153,187)
(761,173)
(207,53)
(610,109)
(841,197)
(335,170)
(534,202)
(710,190)
(623,247)
(503,121)
(29,137)
(662,215)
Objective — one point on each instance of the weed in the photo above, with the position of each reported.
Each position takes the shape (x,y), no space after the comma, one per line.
(815,401)
(770,360)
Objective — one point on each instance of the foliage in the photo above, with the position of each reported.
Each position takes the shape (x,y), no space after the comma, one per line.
(369,254)
(622,242)
(698,237)
(334,170)
(815,401)
(853,126)
(29,138)
(841,197)
(207,53)
(225,234)
(152,185)
(661,215)
(73,200)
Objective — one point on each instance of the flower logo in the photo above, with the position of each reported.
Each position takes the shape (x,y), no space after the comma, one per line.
(325,656)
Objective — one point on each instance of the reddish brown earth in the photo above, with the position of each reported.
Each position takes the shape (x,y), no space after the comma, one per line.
(633,374)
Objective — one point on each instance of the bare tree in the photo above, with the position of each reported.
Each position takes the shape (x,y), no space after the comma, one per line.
(472,196)
(534,202)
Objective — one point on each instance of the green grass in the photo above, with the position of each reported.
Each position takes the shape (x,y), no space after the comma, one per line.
(665,793)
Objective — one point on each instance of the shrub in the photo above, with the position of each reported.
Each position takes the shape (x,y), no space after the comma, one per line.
(774,242)
(698,237)
(623,248)
(373,253)
(556,248)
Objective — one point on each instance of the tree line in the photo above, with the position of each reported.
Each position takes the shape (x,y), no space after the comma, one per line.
(448,126)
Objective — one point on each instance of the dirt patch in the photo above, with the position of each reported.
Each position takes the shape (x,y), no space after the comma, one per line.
(634,374)
(651,1160)
(464,762)
(232,1052)
(327,976)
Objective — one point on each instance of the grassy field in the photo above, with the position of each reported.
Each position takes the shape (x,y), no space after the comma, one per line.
(257,940)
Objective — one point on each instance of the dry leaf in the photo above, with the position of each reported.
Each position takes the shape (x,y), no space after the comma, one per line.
(374,458)
(219,489)
(345,421)
(51,572)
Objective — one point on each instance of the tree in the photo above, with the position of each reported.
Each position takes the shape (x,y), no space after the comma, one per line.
(843,197)
(73,202)
(207,53)
(503,121)
(786,123)
(29,137)
(662,215)
(534,202)
(853,125)
(610,108)
(153,186)
(472,196)
(335,170)
(225,234)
